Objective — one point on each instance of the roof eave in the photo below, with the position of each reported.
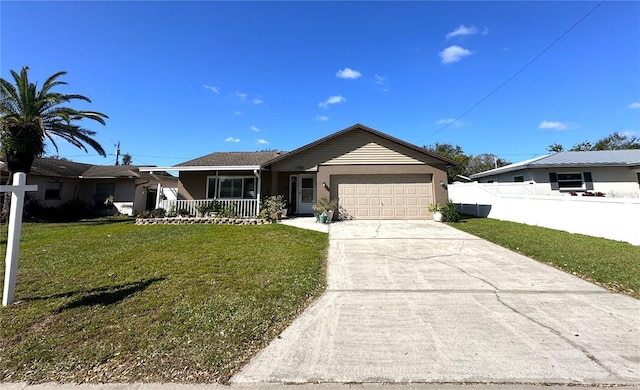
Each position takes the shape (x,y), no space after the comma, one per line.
(195,168)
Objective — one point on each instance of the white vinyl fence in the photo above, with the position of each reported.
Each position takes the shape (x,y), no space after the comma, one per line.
(613,218)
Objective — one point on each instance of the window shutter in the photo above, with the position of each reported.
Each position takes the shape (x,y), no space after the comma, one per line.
(588,181)
(638,174)
(553,179)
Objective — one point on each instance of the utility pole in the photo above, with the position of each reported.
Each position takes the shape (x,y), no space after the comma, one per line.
(118,153)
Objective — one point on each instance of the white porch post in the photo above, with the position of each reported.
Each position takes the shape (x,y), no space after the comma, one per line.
(258,174)
(158,195)
(18,189)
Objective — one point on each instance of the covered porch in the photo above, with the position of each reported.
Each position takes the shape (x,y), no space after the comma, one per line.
(238,188)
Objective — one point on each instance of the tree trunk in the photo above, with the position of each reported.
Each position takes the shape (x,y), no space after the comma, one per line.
(6,206)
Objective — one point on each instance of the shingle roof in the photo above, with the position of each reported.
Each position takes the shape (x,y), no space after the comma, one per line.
(611,158)
(111,171)
(57,167)
(54,167)
(232,159)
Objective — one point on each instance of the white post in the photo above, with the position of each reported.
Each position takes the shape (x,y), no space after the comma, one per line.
(158,195)
(18,189)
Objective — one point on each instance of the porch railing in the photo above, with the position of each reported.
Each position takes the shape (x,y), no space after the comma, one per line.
(244,208)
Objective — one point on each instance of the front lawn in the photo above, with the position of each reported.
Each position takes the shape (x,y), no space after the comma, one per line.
(115,302)
(612,264)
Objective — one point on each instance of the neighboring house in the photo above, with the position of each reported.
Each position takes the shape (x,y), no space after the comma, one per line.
(616,173)
(373,176)
(61,181)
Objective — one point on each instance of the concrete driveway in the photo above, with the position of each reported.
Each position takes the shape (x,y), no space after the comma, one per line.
(419,301)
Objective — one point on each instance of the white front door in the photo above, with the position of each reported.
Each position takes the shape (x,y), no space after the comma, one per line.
(306,193)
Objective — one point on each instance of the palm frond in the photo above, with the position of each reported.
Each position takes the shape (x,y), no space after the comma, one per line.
(30,115)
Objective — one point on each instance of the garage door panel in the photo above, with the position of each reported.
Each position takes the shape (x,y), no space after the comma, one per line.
(385,197)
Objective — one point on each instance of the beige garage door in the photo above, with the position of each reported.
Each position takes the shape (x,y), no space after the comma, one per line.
(385,196)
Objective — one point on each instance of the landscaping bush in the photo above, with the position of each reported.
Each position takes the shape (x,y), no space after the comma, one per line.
(158,213)
(449,212)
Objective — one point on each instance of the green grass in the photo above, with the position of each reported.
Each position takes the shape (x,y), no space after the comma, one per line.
(115,302)
(611,264)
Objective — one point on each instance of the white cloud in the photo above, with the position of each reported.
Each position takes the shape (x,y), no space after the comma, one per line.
(454,53)
(253,128)
(332,100)
(377,79)
(237,113)
(451,121)
(348,73)
(630,133)
(462,31)
(263,142)
(240,95)
(322,118)
(634,105)
(257,101)
(215,90)
(231,139)
(553,125)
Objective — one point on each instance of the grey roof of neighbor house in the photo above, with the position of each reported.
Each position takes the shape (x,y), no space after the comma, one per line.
(55,167)
(598,158)
(219,159)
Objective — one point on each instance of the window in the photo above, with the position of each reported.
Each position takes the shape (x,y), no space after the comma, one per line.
(104,190)
(53,190)
(225,187)
(571,181)
(518,179)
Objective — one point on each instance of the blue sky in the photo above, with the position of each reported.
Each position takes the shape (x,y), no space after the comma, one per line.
(183,79)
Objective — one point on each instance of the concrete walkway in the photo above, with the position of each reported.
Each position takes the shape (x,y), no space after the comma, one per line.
(306,223)
(419,301)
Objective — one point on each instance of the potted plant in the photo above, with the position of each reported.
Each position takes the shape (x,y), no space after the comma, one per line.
(324,209)
(436,209)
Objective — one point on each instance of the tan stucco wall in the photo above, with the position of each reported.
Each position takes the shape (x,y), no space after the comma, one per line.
(69,190)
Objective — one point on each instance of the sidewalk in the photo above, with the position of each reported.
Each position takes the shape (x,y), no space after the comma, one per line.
(310,386)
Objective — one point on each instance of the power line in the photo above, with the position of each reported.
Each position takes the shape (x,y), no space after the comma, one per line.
(519,71)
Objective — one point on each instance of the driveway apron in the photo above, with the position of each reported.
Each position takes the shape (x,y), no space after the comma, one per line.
(421,302)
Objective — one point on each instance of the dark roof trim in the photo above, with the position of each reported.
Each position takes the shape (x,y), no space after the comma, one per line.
(369,130)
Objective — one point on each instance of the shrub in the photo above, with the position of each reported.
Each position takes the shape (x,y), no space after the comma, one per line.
(212,206)
(158,213)
(229,211)
(449,212)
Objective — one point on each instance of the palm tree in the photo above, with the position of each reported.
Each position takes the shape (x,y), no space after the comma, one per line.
(29,117)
